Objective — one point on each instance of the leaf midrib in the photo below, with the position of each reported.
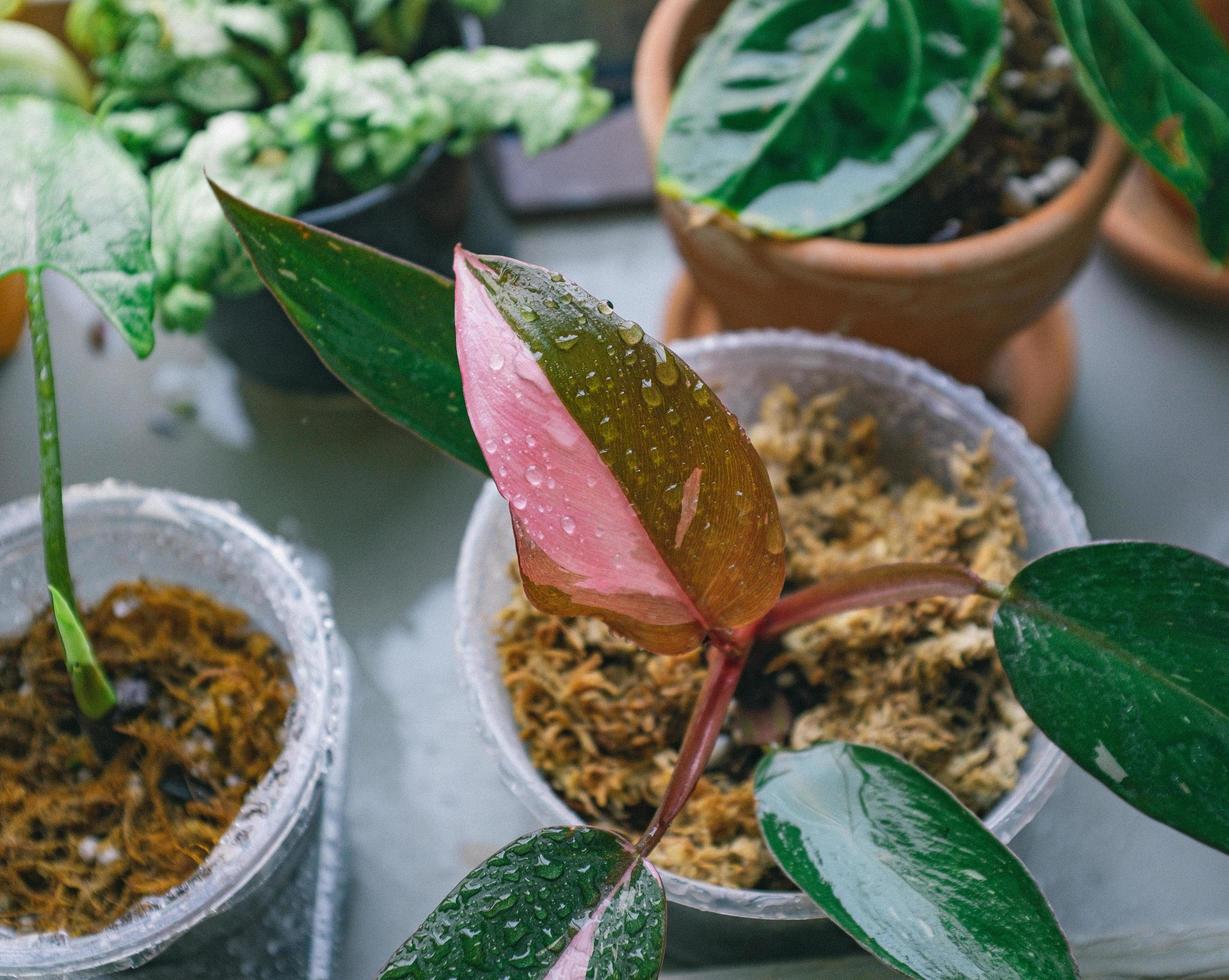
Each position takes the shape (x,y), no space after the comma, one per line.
(1027,602)
(845,39)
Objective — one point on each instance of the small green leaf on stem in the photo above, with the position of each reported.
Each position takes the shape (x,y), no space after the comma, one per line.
(900,865)
(91,689)
(560,902)
(1120,653)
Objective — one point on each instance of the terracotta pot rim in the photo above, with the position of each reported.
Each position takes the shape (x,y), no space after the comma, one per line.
(653,84)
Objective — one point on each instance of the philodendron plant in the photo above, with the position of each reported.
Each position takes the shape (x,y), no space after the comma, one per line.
(76,204)
(893,86)
(635,496)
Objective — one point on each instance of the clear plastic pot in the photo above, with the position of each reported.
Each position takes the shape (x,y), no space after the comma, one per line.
(264,883)
(921,413)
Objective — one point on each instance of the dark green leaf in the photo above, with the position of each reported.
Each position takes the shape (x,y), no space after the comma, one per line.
(799,116)
(902,867)
(574,899)
(75,202)
(382,325)
(1120,654)
(1157,70)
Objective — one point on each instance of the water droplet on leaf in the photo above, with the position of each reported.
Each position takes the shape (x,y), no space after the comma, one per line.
(631,334)
(667,371)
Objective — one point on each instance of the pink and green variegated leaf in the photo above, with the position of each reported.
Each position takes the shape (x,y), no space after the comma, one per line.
(635,494)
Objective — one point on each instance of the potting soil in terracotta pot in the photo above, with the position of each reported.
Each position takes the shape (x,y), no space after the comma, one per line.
(92,829)
(602,719)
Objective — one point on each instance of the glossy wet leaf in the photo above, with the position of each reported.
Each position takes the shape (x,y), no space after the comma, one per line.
(635,494)
(384,326)
(76,203)
(799,116)
(565,902)
(896,861)
(1120,653)
(1159,72)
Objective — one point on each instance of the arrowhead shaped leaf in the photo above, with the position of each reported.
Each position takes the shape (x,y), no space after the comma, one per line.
(634,493)
(75,202)
(1159,72)
(566,902)
(799,116)
(900,865)
(1120,653)
(382,325)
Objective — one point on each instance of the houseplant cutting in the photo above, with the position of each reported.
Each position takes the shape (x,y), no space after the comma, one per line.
(749,268)
(636,497)
(162,752)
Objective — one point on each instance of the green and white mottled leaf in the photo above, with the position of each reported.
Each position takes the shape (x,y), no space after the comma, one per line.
(75,202)
(899,864)
(566,902)
(799,116)
(1120,653)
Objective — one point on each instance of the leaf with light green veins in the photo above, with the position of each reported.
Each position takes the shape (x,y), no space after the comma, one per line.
(635,495)
(800,116)
(565,902)
(197,255)
(382,325)
(544,92)
(899,864)
(1120,653)
(76,203)
(1158,71)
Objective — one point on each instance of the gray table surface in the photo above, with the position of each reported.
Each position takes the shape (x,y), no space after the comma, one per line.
(1144,450)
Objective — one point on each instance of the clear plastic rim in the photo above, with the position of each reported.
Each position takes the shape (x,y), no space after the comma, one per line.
(306,617)
(947,395)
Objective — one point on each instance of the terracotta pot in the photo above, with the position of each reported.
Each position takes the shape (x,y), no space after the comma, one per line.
(12,311)
(954,304)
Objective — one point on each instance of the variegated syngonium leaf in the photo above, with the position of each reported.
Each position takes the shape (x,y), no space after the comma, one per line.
(635,494)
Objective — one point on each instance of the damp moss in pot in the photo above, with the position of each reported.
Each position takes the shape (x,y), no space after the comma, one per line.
(912,174)
(354,114)
(636,497)
(168,711)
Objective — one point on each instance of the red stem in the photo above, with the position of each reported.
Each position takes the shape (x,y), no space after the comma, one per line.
(884,585)
(727,655)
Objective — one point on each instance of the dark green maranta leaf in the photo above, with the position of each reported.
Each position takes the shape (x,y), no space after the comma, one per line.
(571,899)
(895,860)
(76,203)
(1159,73)
(384,326)
(1120,653)
(799,116)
